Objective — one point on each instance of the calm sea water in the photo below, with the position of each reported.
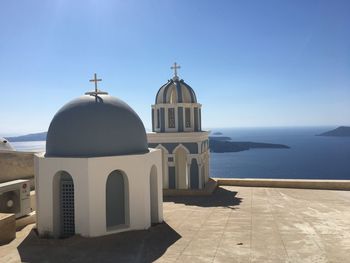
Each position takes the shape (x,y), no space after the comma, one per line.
(38,146)
(310,156)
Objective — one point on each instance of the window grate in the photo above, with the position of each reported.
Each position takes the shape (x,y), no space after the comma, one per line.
(67,208)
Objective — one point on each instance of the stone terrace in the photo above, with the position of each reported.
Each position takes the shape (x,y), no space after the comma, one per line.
(236,224)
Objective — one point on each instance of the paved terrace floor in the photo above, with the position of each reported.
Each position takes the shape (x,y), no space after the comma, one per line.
(236,224)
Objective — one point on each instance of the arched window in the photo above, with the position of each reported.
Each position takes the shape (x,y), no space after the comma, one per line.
(158,118)
(117,200)
(181,167)
(194,176)
(171,118)
(63,205)
(187,117)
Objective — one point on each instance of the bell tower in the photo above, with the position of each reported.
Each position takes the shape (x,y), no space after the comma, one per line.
(177,130)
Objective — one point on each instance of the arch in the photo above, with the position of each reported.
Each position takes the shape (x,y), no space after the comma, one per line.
(194,176)
(164,165)
(181,171)
(153,186)
(117,200)
(63,205)
(181,146)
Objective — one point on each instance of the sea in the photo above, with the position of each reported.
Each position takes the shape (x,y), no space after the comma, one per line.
(309,156)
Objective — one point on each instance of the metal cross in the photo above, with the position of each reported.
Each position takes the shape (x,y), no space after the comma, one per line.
(175,67)
(95,79)
(97,91)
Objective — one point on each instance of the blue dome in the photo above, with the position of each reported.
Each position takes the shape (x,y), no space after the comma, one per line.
(176,91)
(93,126)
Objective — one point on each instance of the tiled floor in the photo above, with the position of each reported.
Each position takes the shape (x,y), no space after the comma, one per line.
(262,225)
(236,224)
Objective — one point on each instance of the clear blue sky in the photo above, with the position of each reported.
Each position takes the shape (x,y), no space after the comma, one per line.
(251,63)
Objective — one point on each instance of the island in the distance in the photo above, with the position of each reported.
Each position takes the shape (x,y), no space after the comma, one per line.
(217,143)
(222,144)
(29,137)
(342,131)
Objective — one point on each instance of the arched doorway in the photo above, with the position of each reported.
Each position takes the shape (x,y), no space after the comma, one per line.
(63,205)
(153,186)
(181,167)
(194,176)
(117,200)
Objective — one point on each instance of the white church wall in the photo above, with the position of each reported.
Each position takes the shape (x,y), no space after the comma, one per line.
(137,168)
(100,168)
(90,178)
(181,137)
(165,156)
(46,169)
(158,198)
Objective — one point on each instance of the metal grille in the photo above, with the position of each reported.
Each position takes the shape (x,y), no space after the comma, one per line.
(67,208)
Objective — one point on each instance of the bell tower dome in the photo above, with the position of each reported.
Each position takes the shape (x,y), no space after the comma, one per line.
(176,108)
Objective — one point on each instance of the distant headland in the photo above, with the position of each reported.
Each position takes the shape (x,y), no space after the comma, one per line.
(341,131)
(41,136)
(217,143)
(222,144)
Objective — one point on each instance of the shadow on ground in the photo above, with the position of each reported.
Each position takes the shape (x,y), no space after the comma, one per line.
(135,246)
(220,198)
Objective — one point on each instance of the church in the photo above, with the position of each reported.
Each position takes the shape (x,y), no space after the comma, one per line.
(177,131)
(97,176)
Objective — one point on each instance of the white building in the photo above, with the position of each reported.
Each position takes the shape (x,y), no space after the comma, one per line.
(5,145)
(177,131)
(98,175)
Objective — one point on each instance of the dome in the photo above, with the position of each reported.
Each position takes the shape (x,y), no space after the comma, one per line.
(176,91)
(5,145)
(93,126)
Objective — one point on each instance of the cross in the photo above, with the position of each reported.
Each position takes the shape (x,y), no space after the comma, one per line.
(175,67)
(95,80)
(96,91)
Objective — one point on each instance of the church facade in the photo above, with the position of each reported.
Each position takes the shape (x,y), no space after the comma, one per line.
(177,131)
(87,182)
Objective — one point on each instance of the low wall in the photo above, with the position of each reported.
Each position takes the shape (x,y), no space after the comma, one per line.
(286,183)
(16,165)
